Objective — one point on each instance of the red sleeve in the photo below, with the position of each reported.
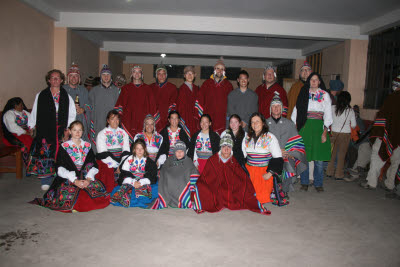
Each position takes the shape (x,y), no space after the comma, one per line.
(122,99)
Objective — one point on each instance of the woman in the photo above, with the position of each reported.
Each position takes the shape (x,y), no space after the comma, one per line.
(176,175)
(14,123)
(344,120)
(112,145)
(152,139)
(313,116)
(171,134)
(52,112)
(204,143)
(238,134)
(263,157)
(137,181)
(75,187)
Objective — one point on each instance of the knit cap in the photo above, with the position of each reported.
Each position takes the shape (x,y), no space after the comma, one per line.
(179,145)
(74,69)
(120,79)
(106,70)
(396,82)
(89,81)
(270,67)
(306,65)
(226,140)
(275,100)
(336,85)
(220,61)
(161,67)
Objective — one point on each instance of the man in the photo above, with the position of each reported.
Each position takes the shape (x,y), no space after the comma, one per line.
(335,87)
(165,95)
(386,132)
(120,81)
(294,91)
(213,97)
(290,142)
(224,184)
(135,102)
(242,101)
(81,97)
(89,82)
(266,92)
(102,99)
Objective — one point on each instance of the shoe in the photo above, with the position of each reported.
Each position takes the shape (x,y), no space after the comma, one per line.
(45,187)
(328,176)
(350,179)
(319,189)
(339,179)
(304,187)
(367,186)
(353,171)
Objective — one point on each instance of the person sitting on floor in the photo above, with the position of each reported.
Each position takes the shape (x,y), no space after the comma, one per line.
(137,183)
(112,146)
(224,184)
(75,187)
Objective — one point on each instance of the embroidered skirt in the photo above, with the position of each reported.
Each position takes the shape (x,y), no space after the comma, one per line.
(127,196)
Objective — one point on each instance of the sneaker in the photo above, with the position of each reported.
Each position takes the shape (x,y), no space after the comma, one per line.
(353,171)
(319,189)
(367,186)
(304,187)
(45,187)
(350,179)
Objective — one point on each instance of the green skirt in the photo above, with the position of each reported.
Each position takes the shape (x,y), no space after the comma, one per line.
(311,133)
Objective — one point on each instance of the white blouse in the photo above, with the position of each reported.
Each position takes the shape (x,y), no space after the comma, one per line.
(267,143)
(344,122)
(134,164)
(10,120)
(109,139)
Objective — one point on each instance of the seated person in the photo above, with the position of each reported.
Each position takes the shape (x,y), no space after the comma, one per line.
(204,143)
(237,133)
(290,142)
(152,139)
(14,123)
(112,145)
(176,174)
(171,134)
(224,184)
(137,183)
(75,187)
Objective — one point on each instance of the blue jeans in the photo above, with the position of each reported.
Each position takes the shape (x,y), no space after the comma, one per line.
(318,174)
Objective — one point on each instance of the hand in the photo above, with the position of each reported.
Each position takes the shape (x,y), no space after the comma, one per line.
(31,132)
(86,182)
(79,183)
(323,137)
(136,184)
(267,176)
(285,154)
(79,110)
(118,171)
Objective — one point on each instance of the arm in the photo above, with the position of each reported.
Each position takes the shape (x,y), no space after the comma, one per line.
(294,115)
(244,146)
(353,122)
(32,116)
(150,172)
(71,110)
(12,126)
(102,151)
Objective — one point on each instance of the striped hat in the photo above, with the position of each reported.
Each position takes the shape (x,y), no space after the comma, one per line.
(74,69)
(105,70)
(275,100)
(180,145)
(396,82)
(306,65)
(226,140)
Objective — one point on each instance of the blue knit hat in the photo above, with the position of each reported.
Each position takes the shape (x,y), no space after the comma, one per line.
(336,85)
(105,69)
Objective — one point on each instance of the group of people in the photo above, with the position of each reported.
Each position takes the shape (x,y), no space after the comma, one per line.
(217,148)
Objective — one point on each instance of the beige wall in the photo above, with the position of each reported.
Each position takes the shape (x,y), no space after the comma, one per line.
(332,62)
(115,62)
(26,51)
(84,53)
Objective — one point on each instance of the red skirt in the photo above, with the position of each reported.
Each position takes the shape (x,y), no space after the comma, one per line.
(106,176)
(24,138)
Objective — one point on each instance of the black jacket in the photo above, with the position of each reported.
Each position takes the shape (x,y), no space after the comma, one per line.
(214,139)
(164,149)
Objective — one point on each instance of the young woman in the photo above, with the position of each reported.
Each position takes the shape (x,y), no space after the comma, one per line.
(112,146)
(238,134)
(344,120)
(14,123)
(176,175)
(313,117)
(171,134)
(152,139)
(263,157)
(52,112)
(137,181)
(204,143)
(75,187)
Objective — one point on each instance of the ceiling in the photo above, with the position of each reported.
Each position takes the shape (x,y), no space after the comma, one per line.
(256,30)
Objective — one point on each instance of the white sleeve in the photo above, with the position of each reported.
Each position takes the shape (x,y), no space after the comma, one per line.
(64,173)
(244,146)
(353,122)
(274,147)
(71,111)
(327,111)
(144,181)
(223,133)
(32,116)
(101,142)
(91,173)
(161,160)
(128,180)
(12,126)
(294,115)
(126,146)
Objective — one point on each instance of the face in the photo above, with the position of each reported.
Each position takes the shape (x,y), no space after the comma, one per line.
(256,124)
(55,79)
(219,71)
(276,110)
(315,82)
(149,126)
(226,152)
(161,76)
(205,124)
(76,131)
(73,79)
(179,154)
(189,76)
(19,107)
(269,76)
(106,77)
(243,80)
(234,124)
(113,121)
(174,120)
(304,73)
(137,74)
(139,151)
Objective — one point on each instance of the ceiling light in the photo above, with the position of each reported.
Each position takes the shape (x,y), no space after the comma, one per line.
(163,55)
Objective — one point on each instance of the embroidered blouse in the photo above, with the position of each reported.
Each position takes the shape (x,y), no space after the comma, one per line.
(259,153)
(16,121)
(152,145)
(136,166)
(202,147)
(115,141)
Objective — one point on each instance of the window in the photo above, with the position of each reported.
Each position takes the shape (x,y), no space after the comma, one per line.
(231,73)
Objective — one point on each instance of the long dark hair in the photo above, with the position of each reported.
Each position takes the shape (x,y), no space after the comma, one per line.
(209,119)
(240,133)
(343,102)
(11,103)
(172,112)
(302,100)
(252,134)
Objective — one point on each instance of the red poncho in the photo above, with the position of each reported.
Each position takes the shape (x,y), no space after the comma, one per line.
(265,97)
(185,105)
(165,97)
